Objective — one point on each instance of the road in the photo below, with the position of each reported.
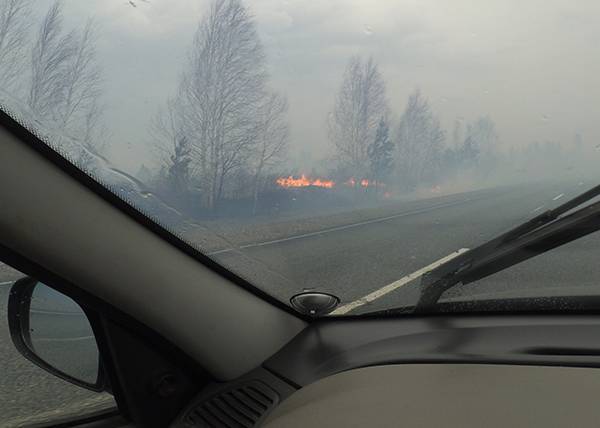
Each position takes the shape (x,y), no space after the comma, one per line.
(354,260)
(351,260)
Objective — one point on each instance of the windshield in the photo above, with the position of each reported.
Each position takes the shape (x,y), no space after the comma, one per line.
(342,147)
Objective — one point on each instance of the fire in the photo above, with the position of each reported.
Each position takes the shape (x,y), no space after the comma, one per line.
(364,182)
(304,181)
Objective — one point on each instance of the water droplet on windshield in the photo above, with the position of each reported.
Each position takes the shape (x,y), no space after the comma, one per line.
(145,194)
(545,118)
(368,30)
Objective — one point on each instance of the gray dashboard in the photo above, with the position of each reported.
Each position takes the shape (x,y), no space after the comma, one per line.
(420,371)
(448,395)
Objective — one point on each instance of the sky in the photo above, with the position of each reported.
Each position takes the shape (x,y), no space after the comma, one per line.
(533,66)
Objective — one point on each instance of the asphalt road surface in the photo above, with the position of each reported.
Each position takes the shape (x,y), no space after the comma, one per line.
(357,259)
(350,260)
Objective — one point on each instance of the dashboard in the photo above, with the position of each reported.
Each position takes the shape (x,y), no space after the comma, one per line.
(448,395)
(458,371)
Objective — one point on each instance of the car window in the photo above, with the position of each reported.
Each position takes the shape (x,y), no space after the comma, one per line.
(29,394)
(340,147)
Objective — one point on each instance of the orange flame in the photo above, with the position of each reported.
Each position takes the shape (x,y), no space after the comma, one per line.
(304,181)
(364,182)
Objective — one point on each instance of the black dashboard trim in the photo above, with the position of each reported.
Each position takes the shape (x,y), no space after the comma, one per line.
(328,347)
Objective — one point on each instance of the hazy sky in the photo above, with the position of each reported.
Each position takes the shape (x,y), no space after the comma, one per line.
(532,65)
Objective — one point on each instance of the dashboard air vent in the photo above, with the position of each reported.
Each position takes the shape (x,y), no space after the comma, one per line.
(242,406)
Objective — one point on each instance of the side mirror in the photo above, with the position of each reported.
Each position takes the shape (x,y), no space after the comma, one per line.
(53,332)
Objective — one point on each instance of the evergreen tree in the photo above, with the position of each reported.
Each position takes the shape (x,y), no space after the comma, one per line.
(380,153)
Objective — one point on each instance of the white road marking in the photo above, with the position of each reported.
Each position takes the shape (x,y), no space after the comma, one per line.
(395,285)
(556,198)
(337,228)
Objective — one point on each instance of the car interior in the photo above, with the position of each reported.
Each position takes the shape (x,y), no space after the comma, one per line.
(183,342)
(258,213)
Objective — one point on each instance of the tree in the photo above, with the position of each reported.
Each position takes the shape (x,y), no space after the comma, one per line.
(174,151)
(178,173)
(419,140)
(50,56)
(14,27)
(457,134)
(272,137)
(82,86)
(380,154)
(481,135)
(222,88)
(359,106)
(65,85)
(480,143)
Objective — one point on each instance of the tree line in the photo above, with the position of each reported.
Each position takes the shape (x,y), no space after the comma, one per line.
(224,131)
(416,151)
(223,135)
(56,71)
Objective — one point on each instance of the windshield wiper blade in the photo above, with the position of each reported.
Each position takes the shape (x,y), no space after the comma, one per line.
(540,234)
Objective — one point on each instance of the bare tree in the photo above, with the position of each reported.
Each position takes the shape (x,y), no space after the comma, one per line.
(359,106)
(50,56)
(222,88)
(14,28)
(81,84)
(272,137)
(66,83)
(420,141)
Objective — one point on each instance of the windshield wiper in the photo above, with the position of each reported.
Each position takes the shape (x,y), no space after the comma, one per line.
(542,233)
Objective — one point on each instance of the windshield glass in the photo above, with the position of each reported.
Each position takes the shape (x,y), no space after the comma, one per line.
(343,147)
